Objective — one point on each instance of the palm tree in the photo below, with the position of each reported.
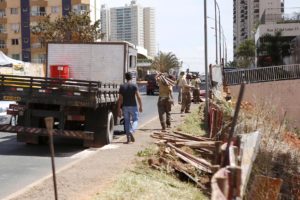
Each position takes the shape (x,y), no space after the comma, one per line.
(163,62)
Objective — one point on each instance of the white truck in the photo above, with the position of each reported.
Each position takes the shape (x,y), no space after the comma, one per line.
(83,102)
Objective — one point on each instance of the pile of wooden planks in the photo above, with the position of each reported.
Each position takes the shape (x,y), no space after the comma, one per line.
(187,155)
(165,79)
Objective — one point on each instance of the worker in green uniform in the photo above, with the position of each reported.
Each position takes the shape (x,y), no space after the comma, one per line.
(164,104)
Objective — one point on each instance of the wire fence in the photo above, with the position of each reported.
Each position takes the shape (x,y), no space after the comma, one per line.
(264,74)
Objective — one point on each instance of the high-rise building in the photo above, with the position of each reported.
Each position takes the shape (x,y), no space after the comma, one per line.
(18,16)
(132,23)
(246,17)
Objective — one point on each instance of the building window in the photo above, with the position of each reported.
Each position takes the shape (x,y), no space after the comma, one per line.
(15,56)
(26,55)
(2,44)
(38,11)
(15,27)
(15,41)
(25,10)
(2,28)
(26,24)
(25,40)
(2,13)
(54,9)
(14,11)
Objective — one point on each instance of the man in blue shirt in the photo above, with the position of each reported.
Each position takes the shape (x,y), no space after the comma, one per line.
(128,93)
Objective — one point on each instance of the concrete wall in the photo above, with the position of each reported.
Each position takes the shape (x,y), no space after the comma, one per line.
(278,95)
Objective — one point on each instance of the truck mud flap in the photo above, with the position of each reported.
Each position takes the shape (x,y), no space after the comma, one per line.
(85,135)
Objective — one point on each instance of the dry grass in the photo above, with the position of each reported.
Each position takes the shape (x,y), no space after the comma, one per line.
(276,158)
(147,184)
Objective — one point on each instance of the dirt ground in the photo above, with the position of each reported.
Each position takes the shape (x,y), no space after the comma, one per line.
(93,174)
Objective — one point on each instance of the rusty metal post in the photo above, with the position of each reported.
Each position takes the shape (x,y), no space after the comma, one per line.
(49,125)
(234,121)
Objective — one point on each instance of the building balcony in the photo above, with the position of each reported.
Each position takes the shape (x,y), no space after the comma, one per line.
(4,49)
(75,2)
(3,5)
(3,36)
(37,16)
(3,20)
(40,3)
(38,50)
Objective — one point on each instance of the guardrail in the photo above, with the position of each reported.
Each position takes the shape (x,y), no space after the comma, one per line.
(263,74)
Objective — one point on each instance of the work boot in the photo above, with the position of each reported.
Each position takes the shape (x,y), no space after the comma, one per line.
(128,139)
(163,127)
(132,138)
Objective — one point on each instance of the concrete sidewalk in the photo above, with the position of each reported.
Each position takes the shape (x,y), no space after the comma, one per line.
(94,173)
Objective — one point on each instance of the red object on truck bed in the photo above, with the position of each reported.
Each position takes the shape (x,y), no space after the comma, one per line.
(60,71)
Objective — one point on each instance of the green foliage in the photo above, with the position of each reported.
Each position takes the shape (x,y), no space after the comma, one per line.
(246,53)
(231,64)
(163,62)
(150,151)
(272,49)
(193,124)
(73,27)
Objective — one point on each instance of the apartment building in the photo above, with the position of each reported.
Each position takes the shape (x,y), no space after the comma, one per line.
(246,17)
(132,23)
(18,16)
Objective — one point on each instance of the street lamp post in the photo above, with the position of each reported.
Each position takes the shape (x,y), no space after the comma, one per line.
(217,5)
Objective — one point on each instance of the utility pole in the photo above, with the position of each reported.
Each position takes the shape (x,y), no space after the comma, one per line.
(216,32)
(220,33)
(206,66)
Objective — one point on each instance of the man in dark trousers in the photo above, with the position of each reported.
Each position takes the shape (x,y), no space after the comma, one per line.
(164,103)
(128,93)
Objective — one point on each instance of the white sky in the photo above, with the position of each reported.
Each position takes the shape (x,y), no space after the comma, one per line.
(180,27)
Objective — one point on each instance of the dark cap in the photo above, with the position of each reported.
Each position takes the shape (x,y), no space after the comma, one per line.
(128,76)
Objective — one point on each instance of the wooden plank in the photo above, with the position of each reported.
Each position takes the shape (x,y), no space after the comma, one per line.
(191,137)
(191,157)
(192,162)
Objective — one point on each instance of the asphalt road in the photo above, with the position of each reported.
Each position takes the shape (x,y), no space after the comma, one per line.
(22,165)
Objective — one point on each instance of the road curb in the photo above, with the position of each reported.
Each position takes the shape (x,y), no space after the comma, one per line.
(96,150)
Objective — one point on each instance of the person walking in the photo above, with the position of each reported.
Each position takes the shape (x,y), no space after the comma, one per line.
(128,93)
(179,86)
(165,101)
(186,96)
(196,90)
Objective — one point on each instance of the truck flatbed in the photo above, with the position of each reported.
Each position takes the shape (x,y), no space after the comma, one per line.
(47,90)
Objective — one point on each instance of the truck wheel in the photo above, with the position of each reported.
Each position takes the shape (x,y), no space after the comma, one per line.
(104,129)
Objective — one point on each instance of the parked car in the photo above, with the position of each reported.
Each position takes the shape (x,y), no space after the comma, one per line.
(152,86)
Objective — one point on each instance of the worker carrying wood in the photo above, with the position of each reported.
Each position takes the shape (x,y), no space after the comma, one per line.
(186,96)
(165,99)
(196,90)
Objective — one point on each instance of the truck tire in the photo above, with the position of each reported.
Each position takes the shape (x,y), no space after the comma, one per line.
(101,122)
(105,130)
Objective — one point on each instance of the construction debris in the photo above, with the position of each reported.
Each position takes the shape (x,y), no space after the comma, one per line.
(188,156)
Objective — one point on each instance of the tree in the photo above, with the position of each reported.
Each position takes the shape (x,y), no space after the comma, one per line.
(272,49)
(246,53)
(231,64)
(72,27)
(163,62)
